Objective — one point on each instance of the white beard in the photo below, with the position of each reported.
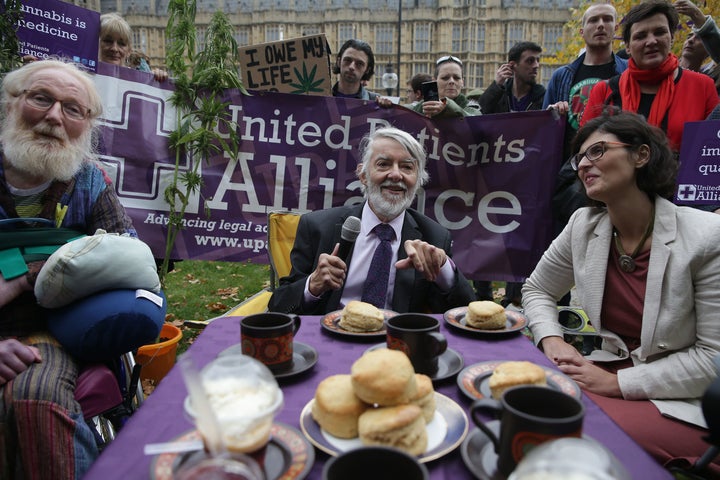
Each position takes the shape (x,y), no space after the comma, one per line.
(389,208)
(43,151)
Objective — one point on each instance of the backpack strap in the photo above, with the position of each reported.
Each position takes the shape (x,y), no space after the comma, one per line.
(22,242)
(614,98)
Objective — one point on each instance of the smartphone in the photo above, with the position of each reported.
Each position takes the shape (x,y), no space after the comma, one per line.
(430,91)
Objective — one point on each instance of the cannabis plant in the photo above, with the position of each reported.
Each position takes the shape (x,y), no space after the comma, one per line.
(201,80)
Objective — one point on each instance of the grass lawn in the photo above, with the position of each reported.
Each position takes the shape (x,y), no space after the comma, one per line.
(200,290)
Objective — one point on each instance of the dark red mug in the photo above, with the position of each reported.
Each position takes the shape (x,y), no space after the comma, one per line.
(419,336)
(268,337)
(529,415)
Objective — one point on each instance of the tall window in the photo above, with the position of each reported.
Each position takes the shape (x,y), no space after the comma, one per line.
(200,38)
(480,38)
(274,33)
(140,39)
(551,39)
(478,77)
(310,30)
(384,39)
(421,37)
(242,36)
(515,34)
(346,31)
(457,34)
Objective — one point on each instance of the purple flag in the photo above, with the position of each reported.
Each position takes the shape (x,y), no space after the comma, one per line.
(491,177)
(699,175)
(53,27)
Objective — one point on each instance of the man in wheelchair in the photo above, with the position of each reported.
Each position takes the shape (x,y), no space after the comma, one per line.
(48,113)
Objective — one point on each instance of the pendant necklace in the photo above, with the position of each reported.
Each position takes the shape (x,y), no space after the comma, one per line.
(627,262)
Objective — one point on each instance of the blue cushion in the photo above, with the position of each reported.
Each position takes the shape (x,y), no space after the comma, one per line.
(105,325)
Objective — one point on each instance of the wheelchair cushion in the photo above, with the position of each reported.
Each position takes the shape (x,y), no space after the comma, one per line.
(103,261)
(107,324)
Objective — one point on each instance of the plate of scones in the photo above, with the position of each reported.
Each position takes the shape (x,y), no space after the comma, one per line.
(382,401)
(358,319)
(485,317)
(491,379)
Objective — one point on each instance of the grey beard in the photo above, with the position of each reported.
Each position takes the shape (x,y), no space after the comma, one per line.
(386,208)
(45,158)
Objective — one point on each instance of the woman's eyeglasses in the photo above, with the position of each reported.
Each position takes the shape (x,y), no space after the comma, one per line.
(43,101)
(448,58)
(595,152)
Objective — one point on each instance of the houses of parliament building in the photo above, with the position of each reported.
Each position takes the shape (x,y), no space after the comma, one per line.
(479,32)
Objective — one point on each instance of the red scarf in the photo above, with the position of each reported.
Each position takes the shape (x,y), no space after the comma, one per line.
(630,87)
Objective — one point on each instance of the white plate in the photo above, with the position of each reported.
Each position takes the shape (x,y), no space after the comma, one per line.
(446,431)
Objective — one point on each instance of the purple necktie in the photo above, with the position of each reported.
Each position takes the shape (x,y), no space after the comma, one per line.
(376,283)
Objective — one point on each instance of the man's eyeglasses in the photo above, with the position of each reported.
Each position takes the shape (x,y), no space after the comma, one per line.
(448,58)
(43,101)
(594,152)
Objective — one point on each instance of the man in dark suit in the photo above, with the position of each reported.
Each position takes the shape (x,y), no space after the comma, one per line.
(422,276)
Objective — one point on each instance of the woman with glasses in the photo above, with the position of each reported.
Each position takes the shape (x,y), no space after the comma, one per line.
(451,103)
(647,273)
(654,85)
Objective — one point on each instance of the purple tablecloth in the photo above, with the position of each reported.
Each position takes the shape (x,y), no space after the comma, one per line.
(161,417)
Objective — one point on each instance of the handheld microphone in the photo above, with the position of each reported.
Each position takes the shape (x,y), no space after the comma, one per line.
(348,235)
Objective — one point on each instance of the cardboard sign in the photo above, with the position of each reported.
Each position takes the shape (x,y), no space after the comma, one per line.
(298,65)
(52,27)
(699,175)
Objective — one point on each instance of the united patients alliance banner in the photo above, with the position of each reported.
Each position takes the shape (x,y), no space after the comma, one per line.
(491,177)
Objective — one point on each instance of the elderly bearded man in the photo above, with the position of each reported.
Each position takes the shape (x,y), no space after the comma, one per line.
(47,167)
(423,278)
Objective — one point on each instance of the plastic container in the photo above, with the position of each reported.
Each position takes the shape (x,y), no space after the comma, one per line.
(158,358)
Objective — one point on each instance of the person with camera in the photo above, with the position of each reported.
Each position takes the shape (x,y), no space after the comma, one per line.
(450,101)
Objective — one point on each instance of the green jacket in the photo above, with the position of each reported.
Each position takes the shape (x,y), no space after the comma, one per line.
(459,107)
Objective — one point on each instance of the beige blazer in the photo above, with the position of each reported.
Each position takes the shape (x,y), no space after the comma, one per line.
(680,333)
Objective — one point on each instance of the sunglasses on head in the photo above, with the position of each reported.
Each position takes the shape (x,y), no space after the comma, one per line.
(448,58)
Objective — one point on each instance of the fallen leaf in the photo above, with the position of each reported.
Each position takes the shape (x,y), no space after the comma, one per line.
(217,307)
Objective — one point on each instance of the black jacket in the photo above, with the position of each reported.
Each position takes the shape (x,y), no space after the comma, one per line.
(319,231)
(496,98)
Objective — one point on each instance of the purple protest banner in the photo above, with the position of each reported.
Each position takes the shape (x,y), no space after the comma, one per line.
(699,175)
(491,177)
(53,27)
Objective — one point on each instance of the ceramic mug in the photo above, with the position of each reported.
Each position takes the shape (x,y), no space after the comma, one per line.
(529,415)
(419,337)
(268,337)
(378,463)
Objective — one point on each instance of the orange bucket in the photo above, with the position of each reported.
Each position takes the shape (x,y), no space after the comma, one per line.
(157,359)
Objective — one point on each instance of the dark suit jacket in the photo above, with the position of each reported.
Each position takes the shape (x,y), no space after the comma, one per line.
(319,231)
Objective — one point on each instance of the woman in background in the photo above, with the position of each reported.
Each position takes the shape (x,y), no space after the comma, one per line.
(654,85)
(452,103)
(115,46)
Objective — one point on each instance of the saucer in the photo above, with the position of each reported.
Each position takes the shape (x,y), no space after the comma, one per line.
(478,453)
(304,358)
(514,322)
(288,455)
(331,323)
(474,380)
(449,363)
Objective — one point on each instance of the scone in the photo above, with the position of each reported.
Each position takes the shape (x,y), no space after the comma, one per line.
(425,397)
(336,407)
(384,377)
(486,315)
(361,317)
(402,427)
(512,374)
